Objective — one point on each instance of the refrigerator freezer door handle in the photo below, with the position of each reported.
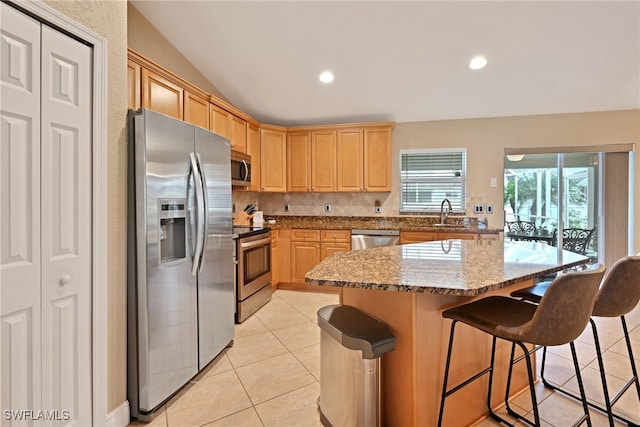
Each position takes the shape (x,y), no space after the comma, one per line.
(204,211)
(197,255)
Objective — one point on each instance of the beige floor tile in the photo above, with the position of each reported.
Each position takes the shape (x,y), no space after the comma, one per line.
(586,352)
(615,364)
(628,405)
(310,310)
(275,304)
(273,377)
(620,347)
(251,326)
(217,366)
(559,410)
(212,398)
(606,339)
(299,336)
(296,408)
(255,348)
(558,370)
(276,319)
(310,358)
(247,418)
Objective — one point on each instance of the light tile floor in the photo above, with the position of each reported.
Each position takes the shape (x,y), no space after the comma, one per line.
(270,375)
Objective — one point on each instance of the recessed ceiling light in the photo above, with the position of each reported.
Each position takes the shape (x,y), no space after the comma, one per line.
(326,77)
(478,62)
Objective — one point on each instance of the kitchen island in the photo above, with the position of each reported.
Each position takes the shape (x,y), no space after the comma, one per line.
(408,287)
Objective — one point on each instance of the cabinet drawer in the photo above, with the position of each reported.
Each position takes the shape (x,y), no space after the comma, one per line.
(462,236)
(338,236)
(303,235)
(417,236)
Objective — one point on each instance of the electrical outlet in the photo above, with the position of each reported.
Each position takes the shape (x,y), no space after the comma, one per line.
(378,209)
(478,209)
(489,209)
(327,208)
(286,208)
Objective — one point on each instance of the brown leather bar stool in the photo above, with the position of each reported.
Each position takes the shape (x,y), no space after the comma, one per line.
(558,319)
(618,295)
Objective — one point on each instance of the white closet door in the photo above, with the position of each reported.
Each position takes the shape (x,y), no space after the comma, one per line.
(66,225)
(20,350)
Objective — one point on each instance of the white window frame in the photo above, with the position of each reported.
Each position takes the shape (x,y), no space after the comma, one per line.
(433,206)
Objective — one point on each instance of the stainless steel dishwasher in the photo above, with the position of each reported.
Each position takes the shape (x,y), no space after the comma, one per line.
(365,239)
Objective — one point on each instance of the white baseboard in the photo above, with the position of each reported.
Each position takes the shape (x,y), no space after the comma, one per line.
(120,416)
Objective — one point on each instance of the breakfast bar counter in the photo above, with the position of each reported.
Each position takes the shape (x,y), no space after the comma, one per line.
(408,287)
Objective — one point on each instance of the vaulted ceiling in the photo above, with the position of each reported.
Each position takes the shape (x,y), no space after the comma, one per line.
(408,61)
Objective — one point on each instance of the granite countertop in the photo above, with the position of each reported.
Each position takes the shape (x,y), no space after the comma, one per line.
(448,267)
(404,223)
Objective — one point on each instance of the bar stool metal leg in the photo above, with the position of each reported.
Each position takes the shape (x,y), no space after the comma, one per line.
(609,401)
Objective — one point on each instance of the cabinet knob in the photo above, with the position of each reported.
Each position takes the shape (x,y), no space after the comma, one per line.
(66,278)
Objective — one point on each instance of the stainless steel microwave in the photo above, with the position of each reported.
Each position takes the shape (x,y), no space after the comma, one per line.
(240,169)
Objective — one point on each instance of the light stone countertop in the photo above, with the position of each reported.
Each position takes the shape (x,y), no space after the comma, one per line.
(404,223)
(447,267)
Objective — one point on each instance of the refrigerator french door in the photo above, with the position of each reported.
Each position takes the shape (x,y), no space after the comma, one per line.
(180,261)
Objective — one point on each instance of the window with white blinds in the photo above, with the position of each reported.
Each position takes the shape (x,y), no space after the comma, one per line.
(427,177)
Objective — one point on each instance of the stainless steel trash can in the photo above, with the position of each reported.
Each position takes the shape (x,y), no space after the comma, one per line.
(351,344)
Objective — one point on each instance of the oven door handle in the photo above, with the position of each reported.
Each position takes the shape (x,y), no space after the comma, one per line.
(254,243)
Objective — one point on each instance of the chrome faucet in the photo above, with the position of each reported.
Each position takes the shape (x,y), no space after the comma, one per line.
(444,215)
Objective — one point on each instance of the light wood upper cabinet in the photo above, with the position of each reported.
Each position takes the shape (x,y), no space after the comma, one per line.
(298,161)
(377,159)
(253,149)
(238,134)
(220,121)
(196,110)
(273,159)
(323,161)
(162,95)
(134,77)
(350,160)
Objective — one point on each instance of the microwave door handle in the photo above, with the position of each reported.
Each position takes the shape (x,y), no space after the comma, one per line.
(198,181)
(246,171)
(204,211)
(254,243)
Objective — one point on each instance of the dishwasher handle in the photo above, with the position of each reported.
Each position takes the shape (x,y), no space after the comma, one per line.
(375,232)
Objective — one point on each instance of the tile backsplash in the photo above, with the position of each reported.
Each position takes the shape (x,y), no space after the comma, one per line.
(313,204)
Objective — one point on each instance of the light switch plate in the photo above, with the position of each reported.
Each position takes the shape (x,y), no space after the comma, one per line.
(493,182)
(327,208)
(286,208)
(478,209)
(489,209)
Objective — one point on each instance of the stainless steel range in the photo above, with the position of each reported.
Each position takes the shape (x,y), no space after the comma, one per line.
(253,270)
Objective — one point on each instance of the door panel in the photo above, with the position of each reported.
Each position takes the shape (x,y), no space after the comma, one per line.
(20,348)
(66,227)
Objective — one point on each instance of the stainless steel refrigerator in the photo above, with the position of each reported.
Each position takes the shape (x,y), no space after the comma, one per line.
(180,255)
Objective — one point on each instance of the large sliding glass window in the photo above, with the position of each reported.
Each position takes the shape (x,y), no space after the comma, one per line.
(554,194)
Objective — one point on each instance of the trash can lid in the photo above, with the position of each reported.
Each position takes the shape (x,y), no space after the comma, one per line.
(356,330)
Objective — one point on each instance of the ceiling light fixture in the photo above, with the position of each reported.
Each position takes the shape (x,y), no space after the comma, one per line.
(478,62)
(326,77)
(515,157)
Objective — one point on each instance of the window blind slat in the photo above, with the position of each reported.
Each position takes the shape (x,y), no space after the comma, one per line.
(427,178)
